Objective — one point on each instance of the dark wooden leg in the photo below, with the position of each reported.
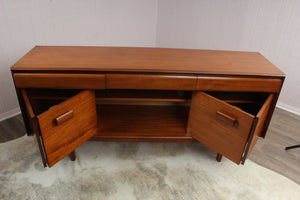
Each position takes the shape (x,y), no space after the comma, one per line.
(73,155)
(219,157)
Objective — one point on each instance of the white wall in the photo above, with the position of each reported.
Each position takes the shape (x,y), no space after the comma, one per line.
(271,27)
(26,23)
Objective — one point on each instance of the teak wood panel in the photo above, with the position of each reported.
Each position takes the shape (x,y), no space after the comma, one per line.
(247,84)
(151,81)
(60,139)
(141,59)
(261,117)
(59,80)
(220,126)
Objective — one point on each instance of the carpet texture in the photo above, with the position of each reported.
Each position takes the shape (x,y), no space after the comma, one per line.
(136,171)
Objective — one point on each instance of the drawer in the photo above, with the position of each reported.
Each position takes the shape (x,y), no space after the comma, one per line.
(215,83)
(230,130)
(59,80)
(148,81)
(63,127)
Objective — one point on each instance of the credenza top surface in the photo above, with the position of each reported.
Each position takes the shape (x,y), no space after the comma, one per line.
(144,60)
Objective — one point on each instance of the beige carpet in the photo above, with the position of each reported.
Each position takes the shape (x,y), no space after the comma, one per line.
(136,171)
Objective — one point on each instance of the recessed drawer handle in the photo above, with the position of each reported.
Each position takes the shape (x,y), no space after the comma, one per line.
(63,118)
(227,118)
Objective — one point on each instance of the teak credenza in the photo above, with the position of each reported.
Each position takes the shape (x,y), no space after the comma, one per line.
(68,95)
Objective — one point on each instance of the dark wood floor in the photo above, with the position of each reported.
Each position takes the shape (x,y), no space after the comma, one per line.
(12,128)
(284,131)
(270,152)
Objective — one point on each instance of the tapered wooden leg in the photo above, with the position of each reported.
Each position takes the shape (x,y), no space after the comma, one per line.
(219,157)
(73,155)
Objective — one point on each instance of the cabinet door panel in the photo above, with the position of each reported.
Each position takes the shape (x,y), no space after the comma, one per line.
(220,126)
(66,126)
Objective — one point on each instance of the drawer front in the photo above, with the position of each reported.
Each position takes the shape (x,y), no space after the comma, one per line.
(210,83)
(66,126)
(59,80)
(147,81)
(220,126)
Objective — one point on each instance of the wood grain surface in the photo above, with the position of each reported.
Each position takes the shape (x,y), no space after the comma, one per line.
(147,81)
(224,138)
(140,59)
(230,83)
(59,141)
(150,123)
(59,80)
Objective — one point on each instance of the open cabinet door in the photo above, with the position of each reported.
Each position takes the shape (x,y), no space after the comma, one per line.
(259,125)
(219,125)
(67,125)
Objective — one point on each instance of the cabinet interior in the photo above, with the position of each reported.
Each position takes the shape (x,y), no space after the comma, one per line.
(251,102)
(143,113)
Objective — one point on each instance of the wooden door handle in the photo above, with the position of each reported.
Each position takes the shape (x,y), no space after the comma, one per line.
(63,118)
(227,118)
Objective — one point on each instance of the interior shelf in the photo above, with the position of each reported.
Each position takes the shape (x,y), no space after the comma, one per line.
(140,121)
(104,96)
(45,98)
